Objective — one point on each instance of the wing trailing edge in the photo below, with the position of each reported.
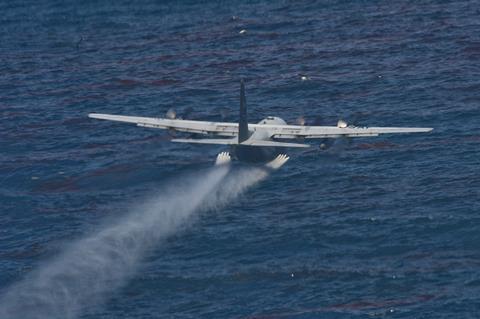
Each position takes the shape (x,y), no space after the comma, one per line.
(219,141)
(265,143)
(234,141)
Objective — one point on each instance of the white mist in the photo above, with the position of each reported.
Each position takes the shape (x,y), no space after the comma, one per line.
(86,271)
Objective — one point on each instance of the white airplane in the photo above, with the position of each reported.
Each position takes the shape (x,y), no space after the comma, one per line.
(261,142)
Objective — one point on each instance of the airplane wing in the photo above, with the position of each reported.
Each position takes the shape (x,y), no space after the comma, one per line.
(296,131)
(200,127)
(275,131)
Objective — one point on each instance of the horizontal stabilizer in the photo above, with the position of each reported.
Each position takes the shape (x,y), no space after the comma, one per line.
(251,142)
(219,141)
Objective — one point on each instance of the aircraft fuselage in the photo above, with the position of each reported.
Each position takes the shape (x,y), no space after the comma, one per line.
(255,154)
(259,154)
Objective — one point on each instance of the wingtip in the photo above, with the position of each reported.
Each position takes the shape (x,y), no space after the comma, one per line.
(93,115)
(420,129)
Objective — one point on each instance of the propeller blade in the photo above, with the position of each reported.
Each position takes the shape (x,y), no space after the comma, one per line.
(171,114)
(301,121)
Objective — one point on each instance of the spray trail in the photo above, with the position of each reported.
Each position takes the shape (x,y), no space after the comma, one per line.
(239,181)
(89,269)
(82,275)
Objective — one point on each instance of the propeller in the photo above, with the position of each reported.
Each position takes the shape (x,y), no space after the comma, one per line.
(171,114)
(317,121)
(355,120)
(342,124)
(327,143)
(223,112)
(187,113)
(301,120)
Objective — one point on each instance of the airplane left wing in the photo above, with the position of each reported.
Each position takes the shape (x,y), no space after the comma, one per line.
(200,127)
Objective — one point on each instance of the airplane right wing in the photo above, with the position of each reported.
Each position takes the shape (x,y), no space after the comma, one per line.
(297,131)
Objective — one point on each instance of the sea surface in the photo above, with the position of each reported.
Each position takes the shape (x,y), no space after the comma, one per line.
(380,227)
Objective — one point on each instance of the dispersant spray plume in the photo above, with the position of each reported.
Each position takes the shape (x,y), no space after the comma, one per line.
(84,273)
(238,181)
(89,269)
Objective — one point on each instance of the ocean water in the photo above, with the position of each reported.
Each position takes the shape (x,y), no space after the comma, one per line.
(385,227)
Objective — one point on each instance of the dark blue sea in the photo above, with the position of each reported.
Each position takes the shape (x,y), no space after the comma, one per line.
(379,227)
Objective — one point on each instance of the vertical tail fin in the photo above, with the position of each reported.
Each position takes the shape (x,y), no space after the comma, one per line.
(243,133)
